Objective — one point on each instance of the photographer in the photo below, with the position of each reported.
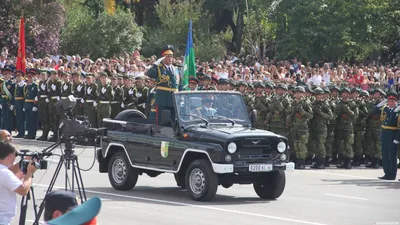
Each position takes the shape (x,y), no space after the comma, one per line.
(5,136)
(10,184)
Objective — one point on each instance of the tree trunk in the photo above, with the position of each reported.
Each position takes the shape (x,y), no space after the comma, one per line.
(240,27)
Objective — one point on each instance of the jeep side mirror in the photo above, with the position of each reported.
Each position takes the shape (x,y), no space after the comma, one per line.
(253,117)
(166,117)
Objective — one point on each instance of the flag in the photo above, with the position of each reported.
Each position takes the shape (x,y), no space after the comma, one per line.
(21,46)
(189,65)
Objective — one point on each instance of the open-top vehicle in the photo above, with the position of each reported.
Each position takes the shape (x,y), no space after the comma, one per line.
(207,140)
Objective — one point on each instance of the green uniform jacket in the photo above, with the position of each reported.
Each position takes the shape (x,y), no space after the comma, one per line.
(66,89)
(165,84)
(106,93)
(91,92)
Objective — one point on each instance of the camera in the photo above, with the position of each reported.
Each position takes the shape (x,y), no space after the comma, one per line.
(39,163)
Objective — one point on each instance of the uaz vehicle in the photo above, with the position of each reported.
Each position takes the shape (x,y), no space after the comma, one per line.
(206,141)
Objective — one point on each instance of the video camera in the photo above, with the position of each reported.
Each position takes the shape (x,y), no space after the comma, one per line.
(39,163)
(77,127)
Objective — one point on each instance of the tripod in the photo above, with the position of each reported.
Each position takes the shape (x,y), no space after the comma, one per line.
(70,161)
(24,206)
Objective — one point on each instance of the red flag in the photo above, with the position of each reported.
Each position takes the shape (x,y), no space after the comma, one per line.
(21,47)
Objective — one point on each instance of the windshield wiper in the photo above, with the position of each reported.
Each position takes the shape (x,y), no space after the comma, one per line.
(187,114)
(226,118)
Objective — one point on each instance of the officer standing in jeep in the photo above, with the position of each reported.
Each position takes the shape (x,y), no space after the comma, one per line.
(166,82)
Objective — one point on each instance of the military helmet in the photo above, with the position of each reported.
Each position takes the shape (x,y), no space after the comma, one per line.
(291,87)
(345,89)
(326,90)
(269,85)
(243,83)
(259,85)
(299,89)
(335,88)
(380,91)
(355,90)
(364,93)
(281,86)
(318,91)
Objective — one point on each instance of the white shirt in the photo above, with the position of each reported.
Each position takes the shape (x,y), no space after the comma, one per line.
(317,79)
(327,78)
(8,198)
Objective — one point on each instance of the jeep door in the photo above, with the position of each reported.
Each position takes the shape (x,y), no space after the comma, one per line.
(137,143)
(164,156)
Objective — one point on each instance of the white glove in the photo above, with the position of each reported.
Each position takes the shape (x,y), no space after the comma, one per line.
(79,88)
(158,61)
(65,87)
(130,92)
(89,90)
(397,109)
(43,86)
(11,107)
(34,109)
(53,86)
(144,106)
(94,104)
(47,100)
(23,109)
(138,94)
(396,142)
(36,99)
(1,106)
(122,105)
(82,100)
(382,103)
(103,90)
(58,98)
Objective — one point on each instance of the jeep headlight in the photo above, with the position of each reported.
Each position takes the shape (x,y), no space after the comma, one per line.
(281,147)
(232,147)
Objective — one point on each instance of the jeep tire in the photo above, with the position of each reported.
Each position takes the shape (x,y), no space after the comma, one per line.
(201,181)
(271,185)
(121,174)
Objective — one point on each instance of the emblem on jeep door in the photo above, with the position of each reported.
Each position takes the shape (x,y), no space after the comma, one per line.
(256,142)
(164,149)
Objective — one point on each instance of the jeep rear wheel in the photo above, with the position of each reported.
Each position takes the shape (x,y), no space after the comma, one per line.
(121,174)
(201,181)
(271,185)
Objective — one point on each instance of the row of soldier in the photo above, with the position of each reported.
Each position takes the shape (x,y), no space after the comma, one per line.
(34,98)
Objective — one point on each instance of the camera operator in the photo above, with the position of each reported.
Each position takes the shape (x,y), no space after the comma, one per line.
(5,136)
(10,184)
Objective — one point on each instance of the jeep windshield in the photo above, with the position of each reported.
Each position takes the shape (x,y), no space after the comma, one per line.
(211,108)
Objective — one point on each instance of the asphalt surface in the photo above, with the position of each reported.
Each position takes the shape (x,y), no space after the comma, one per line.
(331,196)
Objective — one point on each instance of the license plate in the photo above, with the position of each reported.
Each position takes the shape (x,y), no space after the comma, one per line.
(260,167)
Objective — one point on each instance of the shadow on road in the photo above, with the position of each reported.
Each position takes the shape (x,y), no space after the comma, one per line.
(367,183)
(172,196)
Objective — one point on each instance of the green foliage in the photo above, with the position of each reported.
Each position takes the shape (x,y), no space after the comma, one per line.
(174,27)
(105,36)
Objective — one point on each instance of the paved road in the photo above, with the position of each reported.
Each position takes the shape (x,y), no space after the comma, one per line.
(330,196)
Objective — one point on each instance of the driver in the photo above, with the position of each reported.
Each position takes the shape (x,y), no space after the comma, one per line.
(206,110)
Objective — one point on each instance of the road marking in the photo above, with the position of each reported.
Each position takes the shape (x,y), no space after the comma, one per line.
(343,196)
(340,175)
(197,206)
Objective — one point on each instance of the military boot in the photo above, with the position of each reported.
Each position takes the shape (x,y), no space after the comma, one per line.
(347,163)
(319,164)
(356,161)
(300,164)
(343,164)
(373,164)
(327,161)
(365,160)
(308,161)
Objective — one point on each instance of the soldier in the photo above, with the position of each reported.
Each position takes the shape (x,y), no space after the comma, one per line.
(151,107)
(260,104)
(390,136)
(166,82)
(43,106)
(78,90)
(54,92)
(331,146)
(130,100)
(19,102)
(248,99)
(7,105)
(31,98)
(89,100)
(278,110)
(141,94)
(373,131)
(359,125)
(319,130)
(116,105)
(346,118)
(192,86)
(66,89)
(206,80)
(106,95)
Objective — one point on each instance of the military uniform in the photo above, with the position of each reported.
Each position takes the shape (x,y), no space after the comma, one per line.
(31,111)
(166,84)
(151,103)
(359,131)
(261,105)
(54,93)
(43,106)
(130,99)
(141,96)
(66,88)
(7,104)
(297,120)
(78,90)
(116,104)
(19,103)
(319,130)
(106,96)
(89,103)
(345,129)
(278,111)
(390,136)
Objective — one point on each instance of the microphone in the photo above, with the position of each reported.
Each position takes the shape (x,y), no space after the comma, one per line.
(177,65)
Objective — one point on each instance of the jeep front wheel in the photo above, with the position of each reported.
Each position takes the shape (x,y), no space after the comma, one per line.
(271,185)
(201,181)
(121,174)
